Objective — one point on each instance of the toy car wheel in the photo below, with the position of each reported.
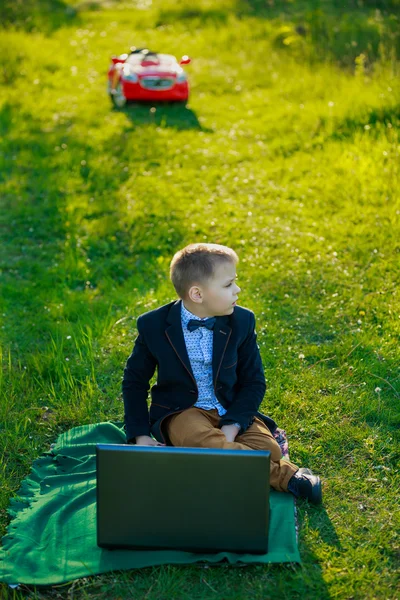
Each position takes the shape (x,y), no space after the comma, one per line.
(117,96)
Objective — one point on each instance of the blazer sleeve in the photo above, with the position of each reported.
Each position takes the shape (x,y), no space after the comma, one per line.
(138,371)
(250,380)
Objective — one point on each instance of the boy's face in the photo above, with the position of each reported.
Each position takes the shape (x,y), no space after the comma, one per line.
(218,295)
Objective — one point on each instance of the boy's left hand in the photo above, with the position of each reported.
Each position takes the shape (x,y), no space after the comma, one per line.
(230,431)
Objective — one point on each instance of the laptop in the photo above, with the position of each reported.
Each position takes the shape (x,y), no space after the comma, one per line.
(192,499)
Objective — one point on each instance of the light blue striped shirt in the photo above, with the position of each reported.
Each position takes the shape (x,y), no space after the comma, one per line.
(199,345)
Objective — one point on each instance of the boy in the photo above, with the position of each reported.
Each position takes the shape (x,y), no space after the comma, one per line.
(210,378)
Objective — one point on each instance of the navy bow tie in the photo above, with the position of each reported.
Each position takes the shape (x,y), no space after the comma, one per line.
(194,323)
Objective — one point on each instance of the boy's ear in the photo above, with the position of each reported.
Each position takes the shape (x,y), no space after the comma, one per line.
(195,293)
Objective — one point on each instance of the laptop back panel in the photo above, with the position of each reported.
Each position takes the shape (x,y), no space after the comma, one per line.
(193,499)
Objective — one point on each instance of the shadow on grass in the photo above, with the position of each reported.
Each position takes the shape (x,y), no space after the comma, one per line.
(291,580)
(318,520)
(63,244)
(338,31)
(38,15)
(311,30)
(375,121)
(205,16)
(303,580)
(62,248)
(171,115)
(268,8)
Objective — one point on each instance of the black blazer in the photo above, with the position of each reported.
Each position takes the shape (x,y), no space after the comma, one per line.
(238,375)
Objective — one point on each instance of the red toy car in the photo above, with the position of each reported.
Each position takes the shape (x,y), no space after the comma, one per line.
(146,75)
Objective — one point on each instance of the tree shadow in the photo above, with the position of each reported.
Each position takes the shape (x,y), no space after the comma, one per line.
(370,121)
(38,15)
(205,16)
(171,115)
(311,30)
(69,261)
(338,31)
(55,248)
(272,9)
(374,121)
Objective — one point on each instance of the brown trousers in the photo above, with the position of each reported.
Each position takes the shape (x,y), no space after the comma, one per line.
(196,427)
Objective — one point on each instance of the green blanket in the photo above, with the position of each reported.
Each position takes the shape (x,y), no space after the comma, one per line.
(52,535)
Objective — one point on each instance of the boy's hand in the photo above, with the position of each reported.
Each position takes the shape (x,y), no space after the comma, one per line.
(146,440)
(230,431)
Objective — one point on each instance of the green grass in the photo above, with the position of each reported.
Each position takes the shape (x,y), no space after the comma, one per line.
(288,151)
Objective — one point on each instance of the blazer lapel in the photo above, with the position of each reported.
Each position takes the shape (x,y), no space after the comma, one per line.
(174,333)
(222,333)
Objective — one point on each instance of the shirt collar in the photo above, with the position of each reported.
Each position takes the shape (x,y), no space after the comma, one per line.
(186,315)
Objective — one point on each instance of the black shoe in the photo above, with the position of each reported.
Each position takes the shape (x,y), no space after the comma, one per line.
(304,484)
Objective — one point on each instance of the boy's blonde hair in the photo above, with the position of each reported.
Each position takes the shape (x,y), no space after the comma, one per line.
(196,263)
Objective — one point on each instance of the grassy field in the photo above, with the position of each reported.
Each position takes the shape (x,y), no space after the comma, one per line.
(289,152)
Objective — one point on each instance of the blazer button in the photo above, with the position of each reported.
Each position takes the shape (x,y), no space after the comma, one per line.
(193,391)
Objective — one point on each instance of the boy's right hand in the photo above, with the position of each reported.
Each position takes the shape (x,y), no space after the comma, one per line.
(146,440)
